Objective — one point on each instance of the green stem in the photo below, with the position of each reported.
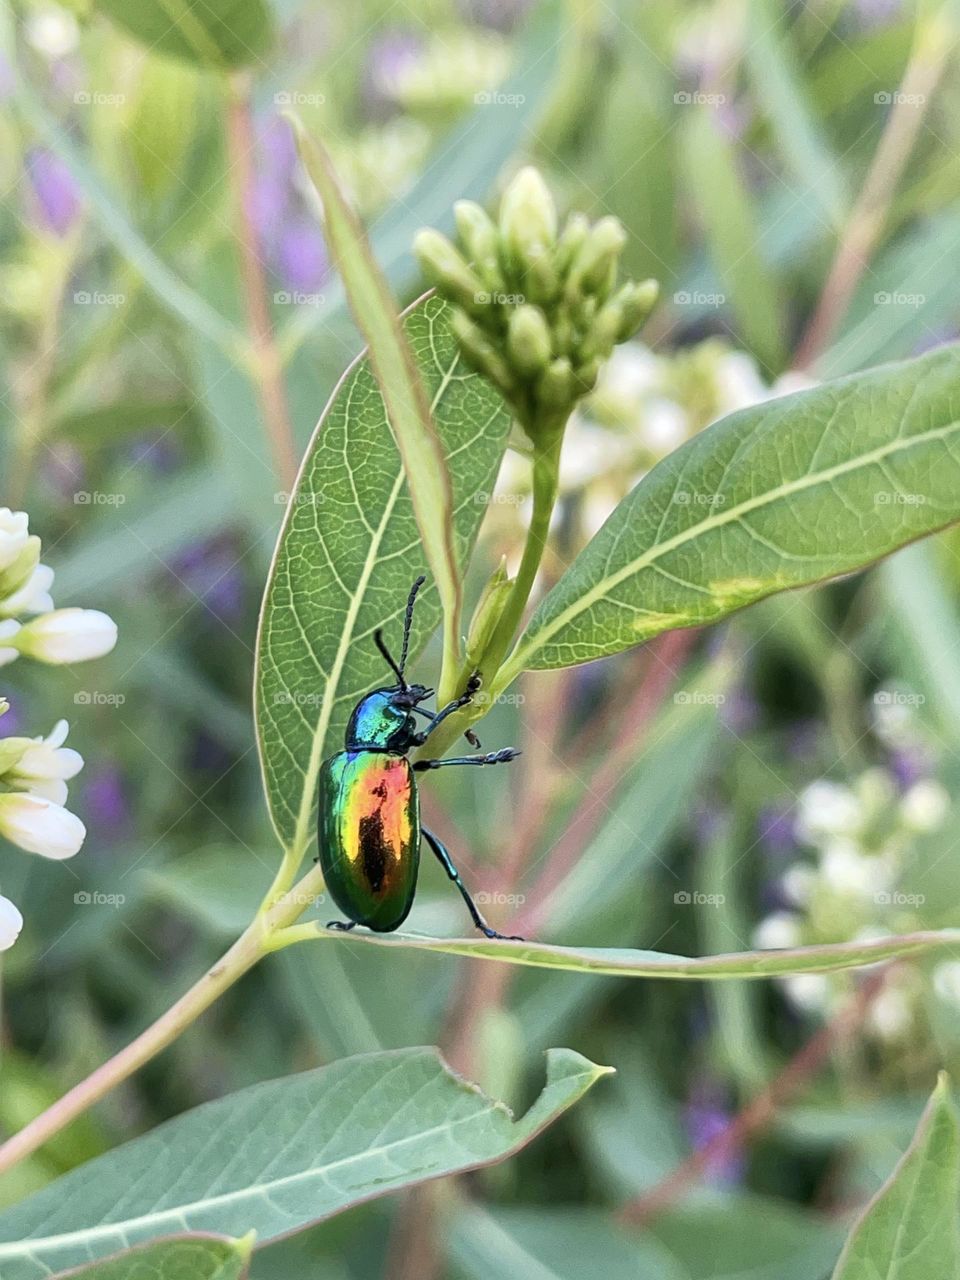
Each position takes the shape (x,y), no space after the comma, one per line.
(546,475)
(258,940)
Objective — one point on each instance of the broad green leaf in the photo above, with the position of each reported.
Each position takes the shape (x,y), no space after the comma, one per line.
(911,1228)
(214,33)
(399,379)
(193,1257)
(779,495)
(280,1155)
(347,553)
(557,1244)
(725,210)
(622,962)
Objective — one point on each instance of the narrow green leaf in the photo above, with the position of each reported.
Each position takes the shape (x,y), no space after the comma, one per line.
(347,554)
(627,963)
(779,85)
(214,33)
(399,379)
(726,211)
(185,1257)
(281,1155)
(780,495)
(911,1230)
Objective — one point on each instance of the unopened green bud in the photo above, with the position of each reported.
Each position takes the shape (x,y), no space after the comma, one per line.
(556,390)
(636,302)
(587,374)
(481,354)
(444,267)
(602,336)
(13,577)
(487,614)
(528,340)
(596,262)
(479,237)
(528,218)
(574,236)
(541,280)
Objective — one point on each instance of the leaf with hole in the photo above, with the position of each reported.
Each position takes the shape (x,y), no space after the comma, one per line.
(278,1156)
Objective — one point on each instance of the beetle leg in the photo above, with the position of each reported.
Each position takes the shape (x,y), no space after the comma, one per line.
(472,738)
(503,756)
(344,926)
(440,849)
(473,684)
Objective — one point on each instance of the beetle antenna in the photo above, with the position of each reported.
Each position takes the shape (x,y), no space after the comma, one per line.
(407,623)
(388,657)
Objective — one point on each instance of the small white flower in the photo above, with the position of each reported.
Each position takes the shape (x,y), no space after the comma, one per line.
(33,597)
(45,766)
(40,826)
(777,931)
(8,629)
(891,1014)
(665,426)
(798,883)
(925,806)
(808,991)
(53,32)
(14,533)
(846,870)
(946,982)
(11,922)
(738,382)
(827,809)
(68,635)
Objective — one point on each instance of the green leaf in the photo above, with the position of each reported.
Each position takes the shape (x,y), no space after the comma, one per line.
(726,210)
(559,1244)
(215,33)
(400,381)
(779,495)
(778,82)
(910,1230)
(193,1257)
(348,551)
(281,1155)
(628,963)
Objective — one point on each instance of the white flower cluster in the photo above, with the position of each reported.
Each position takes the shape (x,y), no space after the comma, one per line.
(859,835)
(646,405)
(51,635)
(34,771)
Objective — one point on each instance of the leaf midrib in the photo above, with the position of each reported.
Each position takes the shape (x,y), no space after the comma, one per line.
(16,1248)
(811,480)
(302,830)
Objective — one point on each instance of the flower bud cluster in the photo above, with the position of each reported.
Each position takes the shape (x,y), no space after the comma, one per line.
(51,635)
(537,309)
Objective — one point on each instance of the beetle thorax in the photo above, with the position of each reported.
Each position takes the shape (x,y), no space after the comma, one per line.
(382,721)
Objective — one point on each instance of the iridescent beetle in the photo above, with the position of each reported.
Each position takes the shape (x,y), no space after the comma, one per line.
(369,821)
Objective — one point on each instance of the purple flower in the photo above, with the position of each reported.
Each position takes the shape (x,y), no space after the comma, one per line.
(106,801)
(302,256)
(387,58)
(706,1118)
(55,190)
(209,570)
